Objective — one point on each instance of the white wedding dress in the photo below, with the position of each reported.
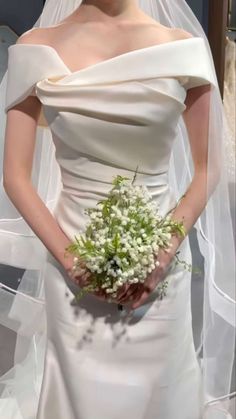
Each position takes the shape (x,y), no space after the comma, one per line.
(108,119)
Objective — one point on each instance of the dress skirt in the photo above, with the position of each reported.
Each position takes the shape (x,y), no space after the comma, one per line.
(102,363)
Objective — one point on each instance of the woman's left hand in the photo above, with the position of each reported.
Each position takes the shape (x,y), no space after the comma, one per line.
(137,294)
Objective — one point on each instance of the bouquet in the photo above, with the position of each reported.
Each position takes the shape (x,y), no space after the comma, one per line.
(122,239)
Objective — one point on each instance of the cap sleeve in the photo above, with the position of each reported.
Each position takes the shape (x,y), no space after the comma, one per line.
(197,66)
(28,64)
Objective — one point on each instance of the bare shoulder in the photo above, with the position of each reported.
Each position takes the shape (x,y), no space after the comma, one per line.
(158,34)
(35,36)
(178,33)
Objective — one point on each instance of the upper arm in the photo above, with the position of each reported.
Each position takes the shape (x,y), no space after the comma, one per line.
(196,117)
(21,124)
(20,139)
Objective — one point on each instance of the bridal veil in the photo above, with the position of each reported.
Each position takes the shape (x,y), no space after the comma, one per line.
(23,309)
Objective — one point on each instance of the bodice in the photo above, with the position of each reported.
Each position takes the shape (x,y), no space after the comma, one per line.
(112,117)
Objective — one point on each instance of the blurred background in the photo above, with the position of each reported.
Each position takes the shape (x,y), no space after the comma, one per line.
(218,18)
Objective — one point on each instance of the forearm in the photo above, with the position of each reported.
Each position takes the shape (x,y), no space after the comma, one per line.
(190,206)
(39,218)
(188,211)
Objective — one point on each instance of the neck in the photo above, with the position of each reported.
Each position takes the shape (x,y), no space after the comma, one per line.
(105,9)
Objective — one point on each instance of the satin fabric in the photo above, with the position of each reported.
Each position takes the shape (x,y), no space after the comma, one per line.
(105,120)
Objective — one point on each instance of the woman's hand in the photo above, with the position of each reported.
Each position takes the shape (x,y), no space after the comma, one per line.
(137,294)
(82,277)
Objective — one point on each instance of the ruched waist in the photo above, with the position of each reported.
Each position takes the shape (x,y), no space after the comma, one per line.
(79,187)
(80,192)
(100,180)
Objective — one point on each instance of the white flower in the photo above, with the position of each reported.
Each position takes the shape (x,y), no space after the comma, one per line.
(135,280)
(132,204)
(142,249)
(155,247)
(119,283)
(115,192)
(109,290)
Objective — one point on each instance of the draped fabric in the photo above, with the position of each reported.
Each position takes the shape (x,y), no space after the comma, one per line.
(51,78)
(106,120)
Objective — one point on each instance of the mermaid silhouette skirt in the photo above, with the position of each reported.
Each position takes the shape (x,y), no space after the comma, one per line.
(105,120)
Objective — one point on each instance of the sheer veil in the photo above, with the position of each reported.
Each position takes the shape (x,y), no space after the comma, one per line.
(23,310)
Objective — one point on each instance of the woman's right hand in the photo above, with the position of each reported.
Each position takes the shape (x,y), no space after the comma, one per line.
(81,277)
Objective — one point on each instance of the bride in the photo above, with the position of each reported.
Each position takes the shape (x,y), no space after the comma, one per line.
(115,88)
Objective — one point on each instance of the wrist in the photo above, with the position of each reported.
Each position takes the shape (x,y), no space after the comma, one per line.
(71,266)
(67,261)
(63,256)
(164,258)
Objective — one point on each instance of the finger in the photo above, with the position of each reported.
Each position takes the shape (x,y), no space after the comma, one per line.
(130,294)
(78,273)
(129,288)
(135,292)
(134,297)
(122,291)
(82,280)
(140,301)
(137,296)
(143,295)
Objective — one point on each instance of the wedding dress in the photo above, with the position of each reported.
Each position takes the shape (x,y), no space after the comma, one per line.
(107,119)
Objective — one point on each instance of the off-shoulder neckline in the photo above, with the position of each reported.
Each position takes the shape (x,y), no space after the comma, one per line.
(116,58)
